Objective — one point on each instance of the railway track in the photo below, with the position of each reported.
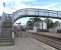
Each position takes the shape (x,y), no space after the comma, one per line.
(49,40)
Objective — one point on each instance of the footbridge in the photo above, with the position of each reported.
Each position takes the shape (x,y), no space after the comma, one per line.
(7,35)
(33,12)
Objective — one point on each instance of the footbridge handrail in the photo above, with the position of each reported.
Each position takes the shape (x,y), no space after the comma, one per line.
(37,12)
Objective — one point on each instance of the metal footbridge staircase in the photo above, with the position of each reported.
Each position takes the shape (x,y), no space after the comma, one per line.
(6,32)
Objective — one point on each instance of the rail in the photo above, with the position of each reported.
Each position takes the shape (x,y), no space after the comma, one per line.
(54,41)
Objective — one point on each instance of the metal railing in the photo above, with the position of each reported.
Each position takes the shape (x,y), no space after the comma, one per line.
(37,12)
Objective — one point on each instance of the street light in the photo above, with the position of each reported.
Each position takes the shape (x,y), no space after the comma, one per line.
(3,7)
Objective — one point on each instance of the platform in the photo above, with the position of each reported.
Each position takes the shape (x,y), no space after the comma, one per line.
(27,43)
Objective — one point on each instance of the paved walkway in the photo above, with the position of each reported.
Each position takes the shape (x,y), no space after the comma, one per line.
(27,44)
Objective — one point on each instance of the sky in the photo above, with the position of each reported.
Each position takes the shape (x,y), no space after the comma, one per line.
(14,5)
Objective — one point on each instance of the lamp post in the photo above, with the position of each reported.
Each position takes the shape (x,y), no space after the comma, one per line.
(3,8)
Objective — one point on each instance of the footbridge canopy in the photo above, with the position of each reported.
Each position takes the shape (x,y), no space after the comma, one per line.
(33,12)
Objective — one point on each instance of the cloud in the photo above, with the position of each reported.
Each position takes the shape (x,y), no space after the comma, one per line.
(13,5)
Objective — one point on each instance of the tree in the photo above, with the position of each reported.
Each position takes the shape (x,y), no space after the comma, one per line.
(31,22)
(29,25)
(49,23)
(56,23)
(35,19)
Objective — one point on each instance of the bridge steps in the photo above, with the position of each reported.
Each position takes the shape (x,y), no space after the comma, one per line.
(6,42)
(6,32)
